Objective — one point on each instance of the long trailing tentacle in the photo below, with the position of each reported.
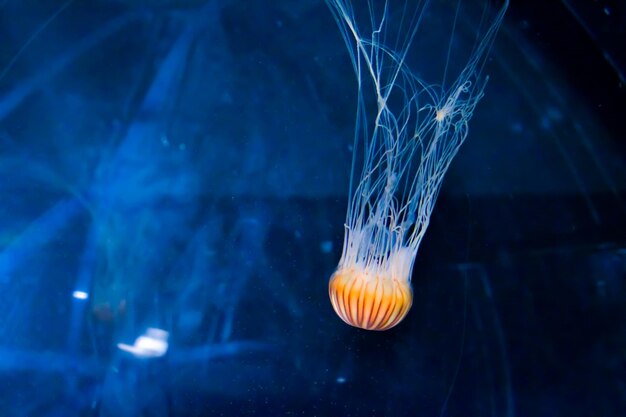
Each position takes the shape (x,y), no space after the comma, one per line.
(402,152)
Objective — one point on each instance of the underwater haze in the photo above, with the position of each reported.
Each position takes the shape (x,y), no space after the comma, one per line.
(174,181)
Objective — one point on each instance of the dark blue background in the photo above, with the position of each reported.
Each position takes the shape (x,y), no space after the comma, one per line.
(186,163)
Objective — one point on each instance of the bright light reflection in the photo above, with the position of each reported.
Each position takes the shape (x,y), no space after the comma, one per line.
(152,344)
(80,295)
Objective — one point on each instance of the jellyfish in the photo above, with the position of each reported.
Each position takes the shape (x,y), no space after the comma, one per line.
(407,133)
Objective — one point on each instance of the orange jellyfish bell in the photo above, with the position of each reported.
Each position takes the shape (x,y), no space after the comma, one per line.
(370,301)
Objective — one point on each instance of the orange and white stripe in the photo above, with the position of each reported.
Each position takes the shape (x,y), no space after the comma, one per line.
(367,301)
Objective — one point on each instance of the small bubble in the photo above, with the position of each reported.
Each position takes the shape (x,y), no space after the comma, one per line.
(517,127)
(326,246)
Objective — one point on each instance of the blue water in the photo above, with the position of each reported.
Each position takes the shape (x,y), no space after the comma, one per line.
(184,166)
